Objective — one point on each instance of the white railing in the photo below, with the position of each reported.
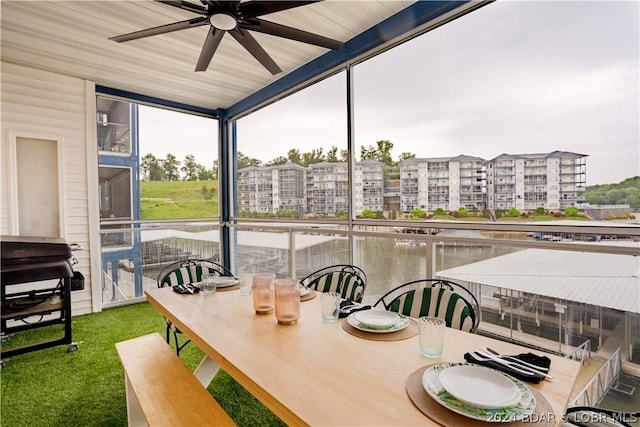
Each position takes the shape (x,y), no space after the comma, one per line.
(111,291)
(608,206)
(597,388)
(582,353)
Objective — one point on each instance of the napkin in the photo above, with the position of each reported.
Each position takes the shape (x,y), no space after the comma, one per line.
(347,307)
(542,361)
(186,289)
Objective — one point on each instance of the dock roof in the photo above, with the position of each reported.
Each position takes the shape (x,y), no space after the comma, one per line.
(605,280)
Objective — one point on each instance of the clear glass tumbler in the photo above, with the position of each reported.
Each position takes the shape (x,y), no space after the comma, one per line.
(263,298)
(330,303)
(246,282)
(287,298)
(431,336)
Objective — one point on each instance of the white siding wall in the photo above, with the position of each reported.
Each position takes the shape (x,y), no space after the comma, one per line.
(47,105)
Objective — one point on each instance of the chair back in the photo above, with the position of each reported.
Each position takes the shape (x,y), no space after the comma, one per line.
(436,298)
(189,272)
(348,280)
(591,416)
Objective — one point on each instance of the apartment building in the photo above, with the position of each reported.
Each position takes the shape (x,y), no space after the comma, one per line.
(272,188)
(369,183)
(446,183)
(553,181)
(330,187)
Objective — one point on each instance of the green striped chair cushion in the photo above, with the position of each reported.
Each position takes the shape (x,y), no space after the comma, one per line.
(347,284)
(184,275)
(436,302)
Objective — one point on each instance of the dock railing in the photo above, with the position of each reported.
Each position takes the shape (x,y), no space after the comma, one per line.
(599,385)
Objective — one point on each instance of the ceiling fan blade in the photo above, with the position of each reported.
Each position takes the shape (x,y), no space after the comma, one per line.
(162,29)
(254,8)
(245,39)
(221,4)
(184,5)
(267,27)
(211,43)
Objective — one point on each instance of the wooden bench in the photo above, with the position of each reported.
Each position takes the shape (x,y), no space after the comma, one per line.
(161,390)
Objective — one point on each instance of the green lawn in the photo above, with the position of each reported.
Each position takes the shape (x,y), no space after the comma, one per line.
(52,387)
(178,199)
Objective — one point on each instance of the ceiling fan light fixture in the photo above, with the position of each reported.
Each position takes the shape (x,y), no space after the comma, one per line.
(223,21)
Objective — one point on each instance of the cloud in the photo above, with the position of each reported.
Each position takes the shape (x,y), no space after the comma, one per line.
(511,77)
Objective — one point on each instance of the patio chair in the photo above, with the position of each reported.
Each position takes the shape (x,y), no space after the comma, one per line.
(187,272)
(589,416)
(435,297)
(348,280)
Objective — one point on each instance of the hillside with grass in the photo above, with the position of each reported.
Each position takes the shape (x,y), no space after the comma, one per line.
(178,199)
(199,199)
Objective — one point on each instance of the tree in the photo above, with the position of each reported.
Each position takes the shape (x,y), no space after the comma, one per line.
(190,168)
(151,168)
(315,156)
(513,212)
(205,174)
(145,164)
(170,166)
(405,156)
(419,213)
(332,155)
(381,152)
(244,161)
(213,172)
(277,161)
(625,192)
(571,211)
(294,156)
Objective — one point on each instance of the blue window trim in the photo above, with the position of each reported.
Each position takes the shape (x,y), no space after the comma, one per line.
(104,90)
(398,25)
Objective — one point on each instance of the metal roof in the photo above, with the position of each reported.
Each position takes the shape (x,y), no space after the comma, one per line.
(552,154)
(245,238)
(605,280)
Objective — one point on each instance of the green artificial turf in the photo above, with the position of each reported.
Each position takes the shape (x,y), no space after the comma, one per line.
(53,387)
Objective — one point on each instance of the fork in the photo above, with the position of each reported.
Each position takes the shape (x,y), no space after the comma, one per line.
(485,357)
(515,360)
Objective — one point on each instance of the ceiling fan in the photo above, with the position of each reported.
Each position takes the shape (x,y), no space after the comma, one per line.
(236,18)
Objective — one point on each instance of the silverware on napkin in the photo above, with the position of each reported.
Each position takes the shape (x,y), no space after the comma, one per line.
(516,366)
(538,368)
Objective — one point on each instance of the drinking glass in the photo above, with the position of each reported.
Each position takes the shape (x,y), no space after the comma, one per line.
(208,284)
(431,334)
(246,282)
(330,302)
(287,298)
(263,298)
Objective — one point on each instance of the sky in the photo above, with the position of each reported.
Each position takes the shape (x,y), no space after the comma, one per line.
(513,77)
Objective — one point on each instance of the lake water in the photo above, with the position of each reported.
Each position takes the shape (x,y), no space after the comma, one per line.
(388,265)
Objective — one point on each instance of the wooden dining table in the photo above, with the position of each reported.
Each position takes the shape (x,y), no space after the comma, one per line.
(316,373)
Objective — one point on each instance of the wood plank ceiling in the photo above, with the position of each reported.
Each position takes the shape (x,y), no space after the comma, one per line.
(72,38)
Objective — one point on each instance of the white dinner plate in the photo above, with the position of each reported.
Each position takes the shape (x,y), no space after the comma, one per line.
(479,386)
(401,323)
(225,281)
(376,319)
(524,407)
